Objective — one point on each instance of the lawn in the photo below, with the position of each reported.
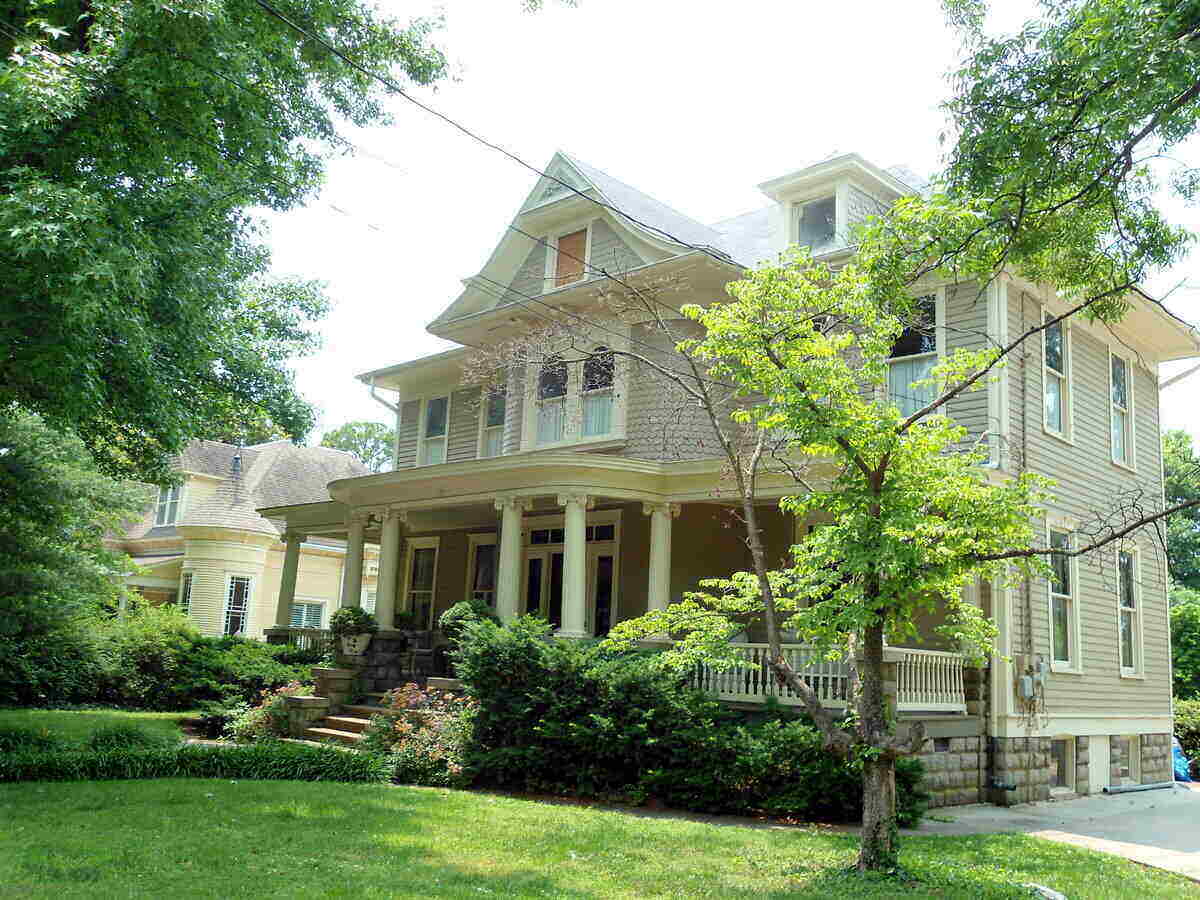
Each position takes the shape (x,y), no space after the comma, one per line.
(193,838)
(76,725)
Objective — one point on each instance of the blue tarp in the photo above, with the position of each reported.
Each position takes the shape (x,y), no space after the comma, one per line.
(1181,764)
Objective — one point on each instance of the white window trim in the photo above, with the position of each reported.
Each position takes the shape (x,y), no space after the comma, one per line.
(309,601)
(421,439)
(481,436)
(1073,666)
(1138,670)
(250,592)
(552,256)
(1067,435)
(420,543)
(841,207)
(1131,437)
(939,337)
(187,584)
(573,402)
(473,541)
(158,505)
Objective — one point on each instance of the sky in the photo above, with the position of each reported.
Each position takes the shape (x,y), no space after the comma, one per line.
(693,103)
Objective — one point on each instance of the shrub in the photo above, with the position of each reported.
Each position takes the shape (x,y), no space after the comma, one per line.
(350,620)
(269,719)
(1185,643)
(454,620)
(424,735)
(15,739)
(49,668)
(125,737)
(275,760)
(1187,729)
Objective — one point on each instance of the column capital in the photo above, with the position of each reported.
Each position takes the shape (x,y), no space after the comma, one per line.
(649,507)
(399,513)
(580,499)
(291,535)
(359,516)
(522,504)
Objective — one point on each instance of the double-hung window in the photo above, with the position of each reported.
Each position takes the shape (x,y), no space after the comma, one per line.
(1127,610)
(1055,380)
(421,576)
(185,593)
(307,614)
(168,505)
(552,401)
(816,223)
(1121,409)
(913,357)
(491,437)
(598,393)
(237,605)
(433,431)
(1063,612)
(481,572)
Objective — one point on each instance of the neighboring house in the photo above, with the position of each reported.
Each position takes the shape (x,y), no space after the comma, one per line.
(585,494)
(203,545)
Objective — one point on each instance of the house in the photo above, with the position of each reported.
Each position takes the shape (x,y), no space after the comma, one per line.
(584,492)
(201,543)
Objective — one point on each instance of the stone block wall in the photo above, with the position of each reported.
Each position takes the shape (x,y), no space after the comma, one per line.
(1025,762)
(394,658)
(953,775)
(1083,784)
(1156,758)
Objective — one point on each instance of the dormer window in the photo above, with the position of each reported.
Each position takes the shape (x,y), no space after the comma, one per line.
(817,222)
(569,256)
(168,505)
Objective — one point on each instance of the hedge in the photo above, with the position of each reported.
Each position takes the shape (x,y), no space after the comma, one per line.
(261,761)
(1187,729)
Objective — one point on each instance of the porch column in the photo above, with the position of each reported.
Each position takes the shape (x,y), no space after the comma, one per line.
(658,589)
(508,569)
(574,601)
(352,580)
(389,567)
(287,579)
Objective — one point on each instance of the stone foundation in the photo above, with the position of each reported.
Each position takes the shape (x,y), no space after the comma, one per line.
(1024,762)
(396,657)
(304,712)
(1156,758)
(952,774)
(1083,771)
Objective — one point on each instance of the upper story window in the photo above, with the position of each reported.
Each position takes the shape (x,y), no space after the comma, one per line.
(1055,379)
(552,401)
(1121,403)
(433,431)
(816,222)
(168,505)
(569,256)
(598,393)
(491,424)
(913,357)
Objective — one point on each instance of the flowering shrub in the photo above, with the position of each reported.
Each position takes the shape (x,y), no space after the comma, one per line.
(425,733)
(269,719)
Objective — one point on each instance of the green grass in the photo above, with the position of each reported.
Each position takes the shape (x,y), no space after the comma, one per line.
(74,726)
(194,838)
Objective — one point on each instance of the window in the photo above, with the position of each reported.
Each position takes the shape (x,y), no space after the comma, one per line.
(569,257)
(237,605)
(481,574)
(552,401)
(168,505)
(422,574)
(598,392)
(1129,759)
(367,601)
(1127,610)
(1055,386)
(491,438)
(307,614)
(1063,634)
(1062,758)
(913,357)
(433,436)
(185,594)
(1121,420)
(817,223)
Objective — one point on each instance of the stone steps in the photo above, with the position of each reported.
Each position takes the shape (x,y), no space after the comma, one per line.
(356,724)
(365,711)
(333,734)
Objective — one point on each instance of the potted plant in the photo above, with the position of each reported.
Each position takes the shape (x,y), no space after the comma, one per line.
(354,626)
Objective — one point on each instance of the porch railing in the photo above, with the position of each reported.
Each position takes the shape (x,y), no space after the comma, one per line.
(320,639)
(927,680)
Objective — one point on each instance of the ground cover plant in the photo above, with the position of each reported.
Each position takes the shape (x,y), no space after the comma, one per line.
(76,726)
(176,837)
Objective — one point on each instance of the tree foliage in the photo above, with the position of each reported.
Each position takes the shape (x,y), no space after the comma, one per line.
(133,305)
(1181,469)
(372,442)
(1185,643)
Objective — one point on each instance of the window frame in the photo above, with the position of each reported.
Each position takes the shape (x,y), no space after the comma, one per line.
(798,220)
(1134,758)
(485,396)
(1136,670)
(171,506)
(310,601)
(573,399)
(247,612)
(429,542)
(480,540)
(1073,665)
(1072,763)
(1067,382)
(552,256)
(938,354)
(187,580)
(423,424)
(1130,462)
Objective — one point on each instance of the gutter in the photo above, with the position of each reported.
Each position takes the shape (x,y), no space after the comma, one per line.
(1130,788)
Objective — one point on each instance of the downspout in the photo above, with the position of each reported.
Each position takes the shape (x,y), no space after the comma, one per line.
(395,410)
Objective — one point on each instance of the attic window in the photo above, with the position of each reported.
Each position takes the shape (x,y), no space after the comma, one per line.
(817,222)
(569,257)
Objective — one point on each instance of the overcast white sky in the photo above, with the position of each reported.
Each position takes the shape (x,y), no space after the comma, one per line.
(694,103)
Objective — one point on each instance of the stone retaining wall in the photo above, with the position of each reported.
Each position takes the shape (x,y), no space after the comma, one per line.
(1025,762)
(953,776)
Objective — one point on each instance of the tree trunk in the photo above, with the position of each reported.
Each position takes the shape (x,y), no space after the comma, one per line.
(877,849)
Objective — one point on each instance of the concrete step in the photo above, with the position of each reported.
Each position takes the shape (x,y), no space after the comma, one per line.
(357,724)
(333,734)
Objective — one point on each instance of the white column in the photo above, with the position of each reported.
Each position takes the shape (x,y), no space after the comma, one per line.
(352,580)
(574,601)
(287,579)
(389,567)
(508,569)
(658,588)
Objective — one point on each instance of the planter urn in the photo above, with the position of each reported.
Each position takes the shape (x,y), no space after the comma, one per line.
(355,644)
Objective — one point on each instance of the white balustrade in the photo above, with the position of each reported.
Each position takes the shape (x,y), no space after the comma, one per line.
(930,680)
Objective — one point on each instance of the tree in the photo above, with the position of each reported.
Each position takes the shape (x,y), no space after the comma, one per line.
(1180,469)
(1185,643)
(134,305)
(372,442)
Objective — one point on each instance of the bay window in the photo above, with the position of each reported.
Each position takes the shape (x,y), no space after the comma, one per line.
(598,393)
(914,355)
(1120,411)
